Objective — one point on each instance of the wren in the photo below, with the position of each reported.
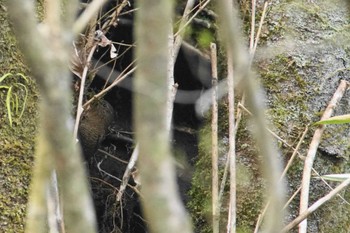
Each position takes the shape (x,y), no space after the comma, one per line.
(94,124)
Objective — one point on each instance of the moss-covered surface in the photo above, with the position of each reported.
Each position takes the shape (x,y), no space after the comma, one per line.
(303,54)
(250,184)
(16,142)
(299,82)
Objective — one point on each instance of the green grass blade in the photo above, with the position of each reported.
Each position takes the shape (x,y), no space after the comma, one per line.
(336,177)
(8,105)
(13,97)
(2,78)
(25,98)
(15,103)
(342,119)
(23,76)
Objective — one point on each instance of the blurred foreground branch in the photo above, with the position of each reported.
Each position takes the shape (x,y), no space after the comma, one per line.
(46,49)
(231,34)
(161,202)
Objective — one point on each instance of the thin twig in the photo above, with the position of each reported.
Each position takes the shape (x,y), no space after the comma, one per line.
(174,44)
(292,197)
(119,79)
(240,106)
(330,187)
(114,16)
(239,113)
(252,45)
(112,156)
(259,29)
(201,7)
(80,108)
(272,166)
(295,152)
(128,172)
(316,205)
(304,195)
(252,27)
(214,141)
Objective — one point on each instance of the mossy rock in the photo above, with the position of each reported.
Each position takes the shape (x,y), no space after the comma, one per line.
(16,142)
(302,56)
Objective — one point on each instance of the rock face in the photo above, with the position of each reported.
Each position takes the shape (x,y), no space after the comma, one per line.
(300,64)
(94,126)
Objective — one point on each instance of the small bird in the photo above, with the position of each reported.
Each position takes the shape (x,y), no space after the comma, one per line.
(94,126)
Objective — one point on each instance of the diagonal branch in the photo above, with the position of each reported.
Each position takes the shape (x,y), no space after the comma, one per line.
(311,154)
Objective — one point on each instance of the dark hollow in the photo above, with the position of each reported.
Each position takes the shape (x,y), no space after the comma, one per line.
(106,129)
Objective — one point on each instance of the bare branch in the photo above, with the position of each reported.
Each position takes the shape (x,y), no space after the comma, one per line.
(214,142)
(80,108)
(127,173)
(316,205)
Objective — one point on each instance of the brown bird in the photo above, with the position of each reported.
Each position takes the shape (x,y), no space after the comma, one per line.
(94,126)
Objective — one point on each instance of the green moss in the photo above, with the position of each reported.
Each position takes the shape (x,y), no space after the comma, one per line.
(291,79)
(287,91)
(17,142)
(250,185)
(200,193)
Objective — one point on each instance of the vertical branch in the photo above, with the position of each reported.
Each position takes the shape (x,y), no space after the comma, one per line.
(241,62)
(214,141)
(36,219)
(252,26)
(47,55)
(174,43)
(171,81)
(263,14)
(80,108)
(232,147)
(161,202)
